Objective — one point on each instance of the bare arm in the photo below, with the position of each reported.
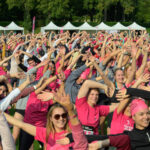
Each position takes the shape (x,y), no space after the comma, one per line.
(110,56)
(87,85)
(24,126)
(104,77)
(48,81)
(142,67)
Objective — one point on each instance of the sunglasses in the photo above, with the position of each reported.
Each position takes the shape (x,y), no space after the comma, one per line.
(57,116)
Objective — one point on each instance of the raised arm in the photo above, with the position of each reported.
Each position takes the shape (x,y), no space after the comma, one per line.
(77,131)
(5,60)
(110,56)
(24,126)
(142,67)
(104,77)
(90,84)
(133,66)
(47,82)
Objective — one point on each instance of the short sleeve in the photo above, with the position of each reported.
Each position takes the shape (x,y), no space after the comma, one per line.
(40,134)
(80,101)
(103,110)
(67,72)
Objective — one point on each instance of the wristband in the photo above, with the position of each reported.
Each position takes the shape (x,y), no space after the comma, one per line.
(34,87)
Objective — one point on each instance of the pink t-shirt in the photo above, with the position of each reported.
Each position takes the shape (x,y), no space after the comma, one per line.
(56,84)
(51,144)
(90,116)
(120,123)
(2,72)
(39,73)
(36,111)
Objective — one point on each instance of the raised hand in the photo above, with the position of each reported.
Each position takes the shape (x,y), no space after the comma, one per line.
(121,95)
(45,96)
(64,99)
(144,78)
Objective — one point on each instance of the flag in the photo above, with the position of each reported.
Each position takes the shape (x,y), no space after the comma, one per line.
(33,25)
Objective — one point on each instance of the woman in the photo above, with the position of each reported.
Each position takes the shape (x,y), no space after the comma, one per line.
(57,125)
(139,137)
(86,104)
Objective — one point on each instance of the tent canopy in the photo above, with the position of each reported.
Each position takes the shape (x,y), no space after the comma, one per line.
(13,26)
(103,26)
(69,26)
(2,28)
(119,26)
(51,26)
(135,26)
(86,26)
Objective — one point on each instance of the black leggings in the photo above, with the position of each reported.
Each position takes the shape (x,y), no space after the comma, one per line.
(26,140)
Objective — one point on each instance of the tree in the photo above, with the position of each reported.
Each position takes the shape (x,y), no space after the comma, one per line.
(55,9)
(26,6)
(143,11)
(128,7)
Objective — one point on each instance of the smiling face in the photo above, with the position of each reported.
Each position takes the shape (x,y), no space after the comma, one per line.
(142,119)
(119,76)
(59,123)
(93,97)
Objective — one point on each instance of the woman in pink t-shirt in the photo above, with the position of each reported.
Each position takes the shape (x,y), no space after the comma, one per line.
(86,104)
(56,127)
(122,119)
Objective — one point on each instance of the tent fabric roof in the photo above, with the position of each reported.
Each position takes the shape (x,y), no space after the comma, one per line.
(2,28)
(135,26)
(51,26)
(13,26)
(103,26)
(86,26)
(119,26)
(69,26)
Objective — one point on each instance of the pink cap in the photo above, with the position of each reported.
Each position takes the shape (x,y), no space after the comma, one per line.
(137,105)
(84,75)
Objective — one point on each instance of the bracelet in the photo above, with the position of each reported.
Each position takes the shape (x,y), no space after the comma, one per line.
(34,87)
(72,117)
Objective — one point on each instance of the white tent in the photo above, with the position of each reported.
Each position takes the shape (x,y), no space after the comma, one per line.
(2,28)
(69,26)
(13,26)
(86,26)
(103,26)
(135,26)
(50,26)
(119,26)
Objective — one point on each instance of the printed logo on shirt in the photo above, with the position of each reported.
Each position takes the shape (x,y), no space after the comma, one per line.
(128,126)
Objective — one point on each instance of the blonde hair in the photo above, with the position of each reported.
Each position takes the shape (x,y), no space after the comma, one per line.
(50,126)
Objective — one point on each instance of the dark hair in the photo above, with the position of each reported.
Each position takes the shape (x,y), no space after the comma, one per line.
(95,89)
(117,70)
(30,59)
(5,85)
(41,52)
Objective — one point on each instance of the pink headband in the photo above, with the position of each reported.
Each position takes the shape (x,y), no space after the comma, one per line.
(137,105)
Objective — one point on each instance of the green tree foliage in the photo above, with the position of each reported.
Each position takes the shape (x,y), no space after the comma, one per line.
(143,11)
(55,9)
(77,10)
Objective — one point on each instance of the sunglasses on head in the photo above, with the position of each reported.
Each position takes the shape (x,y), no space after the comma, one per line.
(57,116)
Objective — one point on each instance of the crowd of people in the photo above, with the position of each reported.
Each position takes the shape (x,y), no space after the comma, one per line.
(76,91)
